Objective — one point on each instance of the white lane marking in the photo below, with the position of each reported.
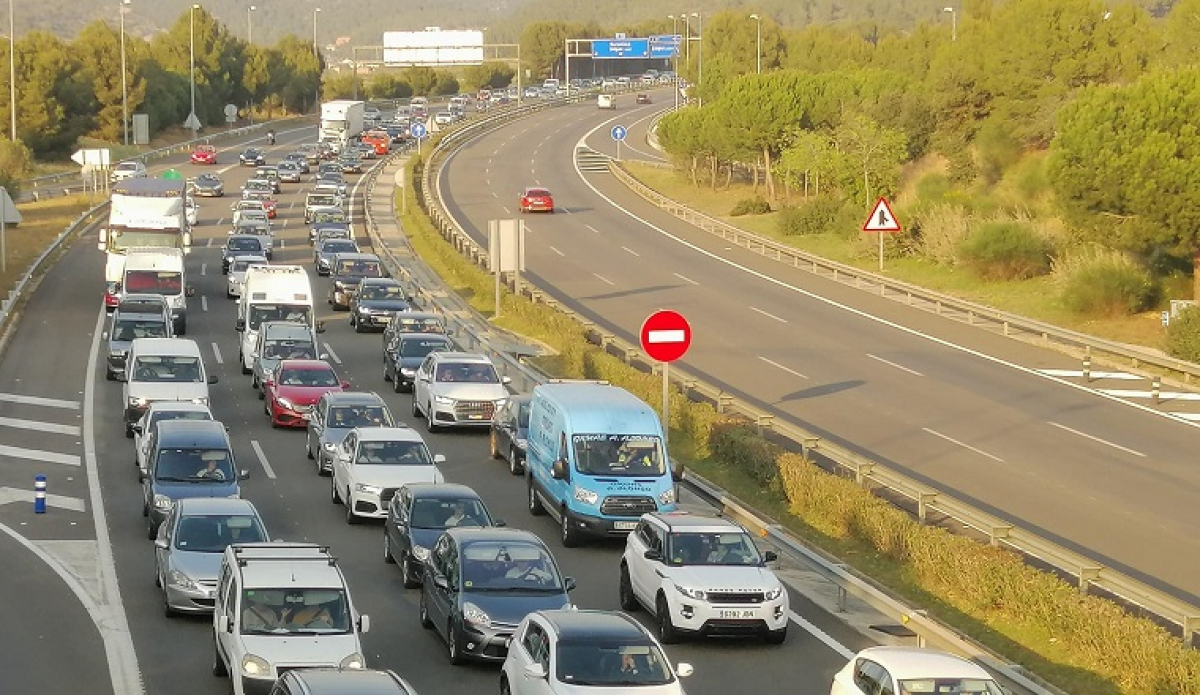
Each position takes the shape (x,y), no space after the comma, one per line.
(332,355)
(12,494)
(1193,417)
(204,302)
(210,241)
(1162,395)
(592,228)
(505,209)
(262,459)
(1098,440)
(109,616)
(768,314)
(685,278)
(37,400)
(281,244)
(220,220)
(821,635)
(605,279)
(893,364)
(494,194)
(631,251)
(775,364)
(1078,374)
(217,353)
(670,335)
(965,446)
(19,452)
(203,268)
(557,251)
(39,426)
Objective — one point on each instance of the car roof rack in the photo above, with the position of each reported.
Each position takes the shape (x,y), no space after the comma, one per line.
(322,553)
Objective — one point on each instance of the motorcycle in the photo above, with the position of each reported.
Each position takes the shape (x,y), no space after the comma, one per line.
(271,137)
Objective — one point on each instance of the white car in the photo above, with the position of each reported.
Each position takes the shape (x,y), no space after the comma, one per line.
(701,575)
(246,210)
(236,280)
(912,670)
(573,652)
(453,389)
(157,412)
(192,210)
(372,463)
(128,170)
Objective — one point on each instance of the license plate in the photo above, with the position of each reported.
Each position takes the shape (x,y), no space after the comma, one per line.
(383,319)
(474,417)
(306,417)
(735,614)
(625,525)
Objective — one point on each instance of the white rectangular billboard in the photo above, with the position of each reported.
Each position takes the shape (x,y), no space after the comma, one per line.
(433,47)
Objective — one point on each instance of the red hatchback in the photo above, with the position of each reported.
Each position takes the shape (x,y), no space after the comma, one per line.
(290,391)
(204,154)
(536,200)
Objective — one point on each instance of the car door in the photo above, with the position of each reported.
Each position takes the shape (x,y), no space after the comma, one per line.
(438,604)
(316,426)
(142,454)
(643,573)
(421,385)
(148,474)
(343,462)
(401,519)
(506,423)
(535,649)
(226,607)
(166,536)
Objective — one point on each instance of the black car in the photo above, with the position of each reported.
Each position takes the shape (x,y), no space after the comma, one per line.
(348,271)
(412,322)
(299,160)
(418,514)
(406,354)
(510,432)
(374,303)
(252,157)
(324,231)
(208,186)
(243,245)
(397,132)
(328,248)
(350,165)
(480,582)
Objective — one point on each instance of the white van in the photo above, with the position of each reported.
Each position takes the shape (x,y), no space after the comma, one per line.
(162,369)
(272,293)
(282,606)
(606,101)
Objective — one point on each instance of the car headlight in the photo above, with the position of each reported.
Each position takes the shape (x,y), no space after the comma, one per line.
(135,402)
(363,310)
(162,502)
(355,661)
(697,594)
(420,552)
(367,489)
(522,444)
(774,593)
(255,666)
(181,580)
(500,402)
(475,615)
(407,371)
(118,353)
(339,285)
(667,497)
(587,497)
(285,403)
(443,400)
(329,446)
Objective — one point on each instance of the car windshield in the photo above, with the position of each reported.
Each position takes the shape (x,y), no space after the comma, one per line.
(381,292)
(508,566)
(440,512)
(347,416)
(950,686)
(294,611)
(537,193)
(359,269)
(307,377)
(420,348)
(408,324)
(296,313)
(327,215)
(609,664)
(470,373)
(690,548)
(289,350)
(321,200)
(338,246)
(618,454)
(393,454)
(243,245)
(129,329)
(194,465)
(163,368)
(212,534)
(153,282)
(240,265)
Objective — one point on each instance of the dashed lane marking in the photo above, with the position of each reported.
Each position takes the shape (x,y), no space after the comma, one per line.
(37,400)
(19,452)
(40,426)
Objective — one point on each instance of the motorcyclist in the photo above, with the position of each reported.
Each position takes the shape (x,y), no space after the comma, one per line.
(271,136)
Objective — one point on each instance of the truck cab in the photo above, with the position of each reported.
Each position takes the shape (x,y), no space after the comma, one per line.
(159,271)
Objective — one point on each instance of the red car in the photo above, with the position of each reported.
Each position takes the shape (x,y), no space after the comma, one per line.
(290,391)
(269,203)
(204,154)
(536,200)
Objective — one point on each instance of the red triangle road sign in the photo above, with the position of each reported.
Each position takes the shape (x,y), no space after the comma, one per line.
(881,219)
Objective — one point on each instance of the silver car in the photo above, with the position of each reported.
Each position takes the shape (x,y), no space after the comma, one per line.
(191,543)
(236,279)
(334,415)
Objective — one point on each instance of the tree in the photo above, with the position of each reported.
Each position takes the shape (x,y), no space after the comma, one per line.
(98,49)
(16,164)
(422,79)
(760,111)
(1181,34)
(1126,161)
(488,74)
(53,106)
(542,47)
(387,85)
(810,158)
(872,154)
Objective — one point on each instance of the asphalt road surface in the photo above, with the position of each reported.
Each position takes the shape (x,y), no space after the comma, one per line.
(981,416)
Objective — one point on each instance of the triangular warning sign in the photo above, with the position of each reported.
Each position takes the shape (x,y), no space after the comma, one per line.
(881,219)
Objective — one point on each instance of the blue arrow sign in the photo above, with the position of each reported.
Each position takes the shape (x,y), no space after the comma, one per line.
(417,130)
(619,132)
(620,48)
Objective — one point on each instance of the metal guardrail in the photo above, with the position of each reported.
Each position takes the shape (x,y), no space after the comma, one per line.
(525,378)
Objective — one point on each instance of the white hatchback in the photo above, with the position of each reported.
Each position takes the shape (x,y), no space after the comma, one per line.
(912,670)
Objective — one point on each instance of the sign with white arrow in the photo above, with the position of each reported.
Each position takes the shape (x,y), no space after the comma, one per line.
(619,132)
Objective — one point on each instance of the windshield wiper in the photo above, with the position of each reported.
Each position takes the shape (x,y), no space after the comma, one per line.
(168,479)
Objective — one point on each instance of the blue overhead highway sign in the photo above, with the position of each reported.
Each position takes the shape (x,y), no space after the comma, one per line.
(620,48)
(666,46)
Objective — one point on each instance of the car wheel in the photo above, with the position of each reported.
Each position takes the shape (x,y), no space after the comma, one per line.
(109,376)
(128,431)
(411,581)
(396,386)
(667,634)
(416,411)
(423,613)
(242,360)
(387,547)
(218,666)
(534,504)
(157,577)
(777,636)
(254,383)
(430,425)
(386,375)
(308,452)
(352,319)
(351,517)
(569,536)
(229,295)
(333,491)
(625,594)
(505,689)
(493,447)
(152,531)
(515,465)
(452,650)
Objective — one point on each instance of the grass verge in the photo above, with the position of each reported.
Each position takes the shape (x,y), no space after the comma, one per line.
(42,222)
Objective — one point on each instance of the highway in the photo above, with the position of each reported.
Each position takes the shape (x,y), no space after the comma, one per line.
(56,355)
(980,416)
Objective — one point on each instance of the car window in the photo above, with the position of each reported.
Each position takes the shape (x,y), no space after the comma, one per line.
(347,416)
(536,645)
(307,377)
(212,534)
(394,454)
(167,368)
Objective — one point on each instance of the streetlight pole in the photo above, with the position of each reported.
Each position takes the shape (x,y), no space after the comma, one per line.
(700,58)
(757,45)
(12,70)
(192,119)
(124,82)
(675,57)
(317,55)
(953,23)
(250,24)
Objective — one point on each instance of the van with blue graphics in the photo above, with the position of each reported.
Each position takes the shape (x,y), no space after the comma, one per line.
(596,459)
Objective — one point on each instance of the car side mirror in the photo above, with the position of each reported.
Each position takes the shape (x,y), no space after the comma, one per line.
(121,376)
(499,523)
(223,624)
(440,582)
(364,623)
(268,382)
(243,475)
(569,583)
(676,475)
(535,672)
(439,458)
(655,555)
(323,356)
(212,378)
(770,556)
(506,380)
(345,384)
(138,429)
(160,543)
(683,670)
(558,471)
(142,475)
(239,325)
(320,326)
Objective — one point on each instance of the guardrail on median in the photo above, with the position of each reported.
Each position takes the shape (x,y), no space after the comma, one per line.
(525,378)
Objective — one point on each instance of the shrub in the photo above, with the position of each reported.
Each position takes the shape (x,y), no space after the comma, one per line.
(1183,335)
(1006,250)
(751,206)
(1094,280)
(817,216)
(737,445)
(943,229)
(15,164)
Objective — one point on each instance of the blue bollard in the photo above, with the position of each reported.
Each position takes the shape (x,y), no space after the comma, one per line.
(39,494)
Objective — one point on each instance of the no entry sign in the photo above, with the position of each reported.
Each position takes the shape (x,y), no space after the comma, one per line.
(666,336)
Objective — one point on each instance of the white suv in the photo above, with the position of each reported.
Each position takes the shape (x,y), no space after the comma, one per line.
(372,463)
(702,575)
(457,389)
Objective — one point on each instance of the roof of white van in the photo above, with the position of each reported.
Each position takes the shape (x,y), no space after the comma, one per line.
(165,346)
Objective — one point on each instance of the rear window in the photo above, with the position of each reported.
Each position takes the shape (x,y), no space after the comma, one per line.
(537,192)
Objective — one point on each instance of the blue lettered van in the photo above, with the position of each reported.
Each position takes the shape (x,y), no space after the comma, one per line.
(596,459)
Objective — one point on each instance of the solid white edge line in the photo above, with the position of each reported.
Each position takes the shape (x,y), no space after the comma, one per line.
(114,624)
(820,634)
(775,364)
(1098,440)
(893,364)
(965,446)
(262,459)
(332,355)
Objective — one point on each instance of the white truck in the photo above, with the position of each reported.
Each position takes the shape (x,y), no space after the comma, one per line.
(272,293)
(341,122)
(144,213)
(157,270)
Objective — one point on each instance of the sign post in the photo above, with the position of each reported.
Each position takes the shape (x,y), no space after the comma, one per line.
(666,336)
(230,115)
(417,130)
(879,221)
(618,134)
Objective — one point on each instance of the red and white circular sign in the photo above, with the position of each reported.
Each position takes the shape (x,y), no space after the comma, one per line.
(666,336)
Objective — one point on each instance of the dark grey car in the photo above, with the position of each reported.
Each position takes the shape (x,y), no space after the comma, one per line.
(334,415)
(243,245)
(347,271)
(510,432)
(128,324)
(327,249)
(375,303)
(418,514)
(401,360)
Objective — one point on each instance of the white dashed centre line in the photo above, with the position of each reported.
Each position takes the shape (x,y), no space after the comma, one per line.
(605,279)
(204,269)
(262,459)
(626,248)
(204,302)
(789,370)
(768,315)
(557,251)
(965,446)
(1098,440)
(893,364)
(592,228)
(686,279)
(217,353)
(332,355)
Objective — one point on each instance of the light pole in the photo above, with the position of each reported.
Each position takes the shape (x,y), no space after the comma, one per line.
(12,70)
(193,121)
(124,84)
(317,55)
(675,32)
(250,24)
(953,23)
(700,58)
(757,45)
